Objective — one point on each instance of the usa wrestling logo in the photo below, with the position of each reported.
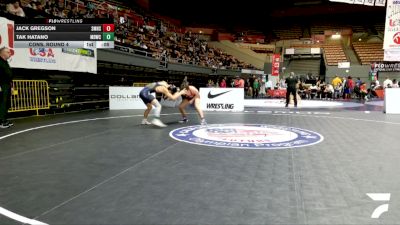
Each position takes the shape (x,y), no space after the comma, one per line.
(247,136)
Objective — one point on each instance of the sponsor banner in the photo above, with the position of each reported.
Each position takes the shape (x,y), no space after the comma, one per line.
(385,67)
(65,59)
(126,98)
(391,55)
(392,25)
(247,136)
(275,64)
(247,71)
(380,2)
(222,99)
(77,60)
(369,2)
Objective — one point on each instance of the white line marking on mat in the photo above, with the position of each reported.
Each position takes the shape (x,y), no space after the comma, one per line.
(19,218)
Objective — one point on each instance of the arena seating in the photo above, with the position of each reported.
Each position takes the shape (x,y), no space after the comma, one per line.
(368,52)
(334,54)
(289,32)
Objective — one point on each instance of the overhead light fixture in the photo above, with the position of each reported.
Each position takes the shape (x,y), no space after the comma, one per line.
(336,36)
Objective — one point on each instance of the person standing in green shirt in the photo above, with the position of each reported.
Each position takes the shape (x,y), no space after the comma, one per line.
(256,88)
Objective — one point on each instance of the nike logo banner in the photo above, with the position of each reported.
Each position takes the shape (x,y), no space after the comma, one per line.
(216,95)
(222,99)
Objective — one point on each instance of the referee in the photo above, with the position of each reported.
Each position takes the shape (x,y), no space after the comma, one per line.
(5,85)
(291,83)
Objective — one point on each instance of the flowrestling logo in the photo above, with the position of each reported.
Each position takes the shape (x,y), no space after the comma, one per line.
(247,136)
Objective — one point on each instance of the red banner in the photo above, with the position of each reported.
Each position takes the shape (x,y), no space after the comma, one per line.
(275,64)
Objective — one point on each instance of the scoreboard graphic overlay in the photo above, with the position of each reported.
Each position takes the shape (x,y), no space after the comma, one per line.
(64,33)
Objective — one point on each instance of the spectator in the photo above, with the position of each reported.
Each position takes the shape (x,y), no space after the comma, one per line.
(349,87)
(14,8)
(239,82)
(336,81)
(32,4)
(337,91)
(345,88)
(358,82)
(329,91)
(262,88)
(248,88)
(223,83)
(90,6)
(387,83)
(269,85)
(363,91)
(256,88)
(395,84)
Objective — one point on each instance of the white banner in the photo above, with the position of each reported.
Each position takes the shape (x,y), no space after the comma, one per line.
(392,55)
(343,64)
(360,2)
(7,34)
(252,71)
(392,25)
(126,98)
(222,99)
(315,50)
(391,103)
(66,59)
(289,51)
(369,2)
(380,2)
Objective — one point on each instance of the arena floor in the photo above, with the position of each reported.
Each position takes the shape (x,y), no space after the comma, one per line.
(102,167)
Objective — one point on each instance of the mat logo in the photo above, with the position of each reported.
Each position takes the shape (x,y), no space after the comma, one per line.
(247,136)
(385,197)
